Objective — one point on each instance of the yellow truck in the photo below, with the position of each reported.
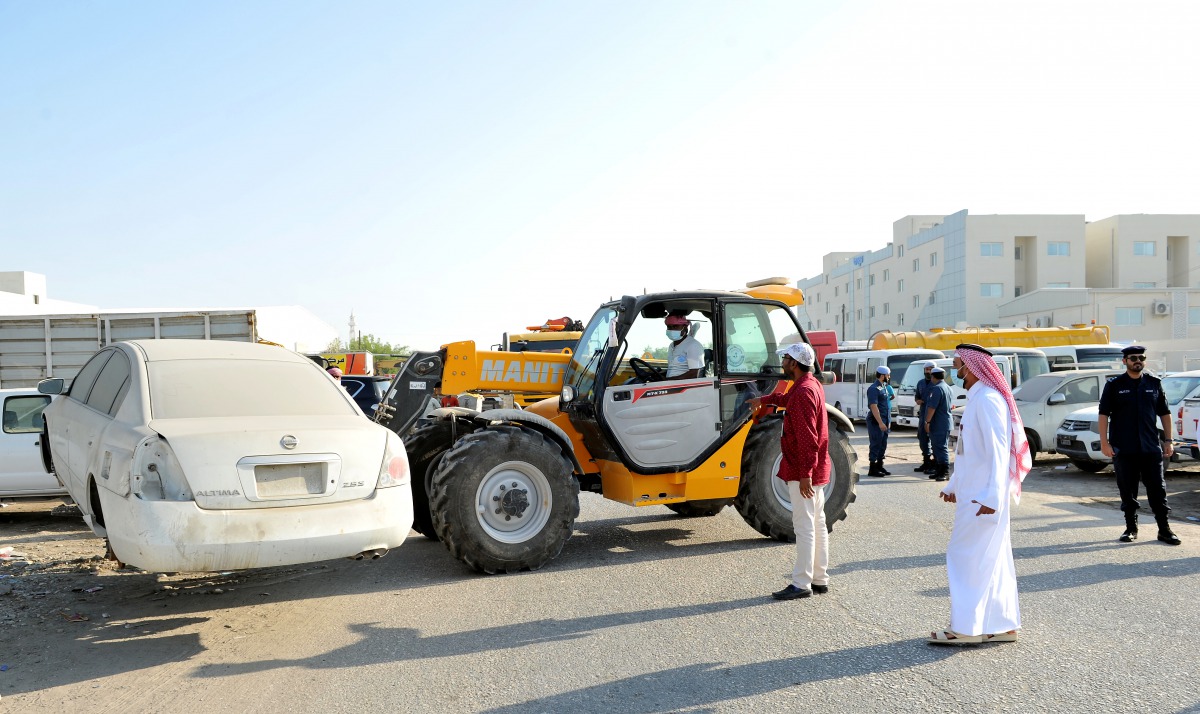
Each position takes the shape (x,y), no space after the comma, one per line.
(500,488)
(946,339)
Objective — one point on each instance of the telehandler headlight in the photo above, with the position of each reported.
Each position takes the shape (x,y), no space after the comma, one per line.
(568,394)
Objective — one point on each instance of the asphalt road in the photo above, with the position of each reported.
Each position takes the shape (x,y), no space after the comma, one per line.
(644,611)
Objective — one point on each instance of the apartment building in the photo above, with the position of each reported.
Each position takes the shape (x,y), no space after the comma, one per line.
(944,271)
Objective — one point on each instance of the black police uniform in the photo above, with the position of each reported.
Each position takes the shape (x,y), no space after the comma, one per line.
(1133,407)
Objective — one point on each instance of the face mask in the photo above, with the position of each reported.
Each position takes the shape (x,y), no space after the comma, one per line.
(675,335)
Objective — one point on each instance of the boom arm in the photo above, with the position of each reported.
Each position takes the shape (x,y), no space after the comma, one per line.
(457,368)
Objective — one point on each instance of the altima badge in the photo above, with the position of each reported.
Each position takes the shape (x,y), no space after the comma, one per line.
(288,441)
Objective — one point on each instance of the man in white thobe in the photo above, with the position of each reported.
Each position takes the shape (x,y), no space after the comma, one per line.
(992,458)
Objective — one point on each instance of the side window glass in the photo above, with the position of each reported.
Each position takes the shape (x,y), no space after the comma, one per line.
(753,336)
(110,384)
(1081,391)
(82,384)
(647,340)
(23,415)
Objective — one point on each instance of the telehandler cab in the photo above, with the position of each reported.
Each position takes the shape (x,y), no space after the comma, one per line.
(501,488)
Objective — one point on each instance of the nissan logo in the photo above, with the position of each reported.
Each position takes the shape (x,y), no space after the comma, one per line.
(288,441)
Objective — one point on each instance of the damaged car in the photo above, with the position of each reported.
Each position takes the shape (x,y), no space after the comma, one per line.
(195,455)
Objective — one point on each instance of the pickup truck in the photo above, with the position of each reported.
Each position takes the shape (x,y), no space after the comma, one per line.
(22,470)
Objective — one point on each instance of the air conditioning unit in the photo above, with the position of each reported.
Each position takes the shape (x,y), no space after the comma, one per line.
(1044,321)
(1161,308)
(1038,322)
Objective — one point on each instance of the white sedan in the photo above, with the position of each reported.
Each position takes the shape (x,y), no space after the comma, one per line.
(195,455)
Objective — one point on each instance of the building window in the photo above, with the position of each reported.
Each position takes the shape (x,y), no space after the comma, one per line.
(916,301)
(835,291)
(1017,253)
(858,284)
(887,275)
(1129,315)
(899,251)
(826,308)
(900,319)
(1143,247)
(1194,315)
(872,280)
(1017,291)
(991,250)
(991,290)
(1058,247)
(818,324)
(1143,286)
(858,314)
(809,325)
(900,285)
(871,312)
(916,265)
(1058,285)
(886,308)
(932,259)
(932,297)
(837,319)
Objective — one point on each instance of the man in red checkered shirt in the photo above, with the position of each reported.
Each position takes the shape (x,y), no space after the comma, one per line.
(805,468)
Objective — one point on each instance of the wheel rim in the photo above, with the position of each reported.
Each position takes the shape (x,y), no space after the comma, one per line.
(513,502)
(779,486)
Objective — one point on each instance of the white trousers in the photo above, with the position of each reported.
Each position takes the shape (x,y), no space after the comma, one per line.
(812,537)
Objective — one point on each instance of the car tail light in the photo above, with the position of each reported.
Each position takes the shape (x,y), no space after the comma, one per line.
(1179,422)
(394,469)
(156,474)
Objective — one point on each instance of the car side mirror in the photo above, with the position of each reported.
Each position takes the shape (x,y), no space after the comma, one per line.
(1057,399)
(56,385)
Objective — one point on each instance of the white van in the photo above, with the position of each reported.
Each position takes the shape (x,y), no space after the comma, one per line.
(1026,362)
(853,372)
(1083,356)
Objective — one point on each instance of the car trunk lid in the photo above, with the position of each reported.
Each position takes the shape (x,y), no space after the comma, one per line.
(266,462)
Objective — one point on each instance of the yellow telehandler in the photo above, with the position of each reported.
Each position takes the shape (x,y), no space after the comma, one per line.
(500,488)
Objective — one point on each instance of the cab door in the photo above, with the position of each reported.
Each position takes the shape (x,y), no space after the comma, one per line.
(661,423)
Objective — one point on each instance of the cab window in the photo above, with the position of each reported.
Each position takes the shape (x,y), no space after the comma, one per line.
(753,336)
(647,338)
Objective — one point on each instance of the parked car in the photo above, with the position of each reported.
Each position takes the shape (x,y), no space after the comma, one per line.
(1045,400)
(192,455)
(367,392)
(22,471)
(1078,438)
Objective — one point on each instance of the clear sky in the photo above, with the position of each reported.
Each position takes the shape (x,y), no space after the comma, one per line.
(457,170)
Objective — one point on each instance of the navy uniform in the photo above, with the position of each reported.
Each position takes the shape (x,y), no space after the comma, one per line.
(879,395)
(927,462)
(938,400)
(1134,407)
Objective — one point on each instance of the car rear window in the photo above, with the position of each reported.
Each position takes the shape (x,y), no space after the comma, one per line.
(190,389)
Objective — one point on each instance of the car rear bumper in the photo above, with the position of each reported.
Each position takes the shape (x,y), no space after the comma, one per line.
(178,536)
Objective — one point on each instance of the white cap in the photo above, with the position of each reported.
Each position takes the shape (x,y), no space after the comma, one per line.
(882,370)
(799,351)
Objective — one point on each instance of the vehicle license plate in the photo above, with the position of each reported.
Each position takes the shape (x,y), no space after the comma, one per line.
(416,385)
(1064,440)
(288,480)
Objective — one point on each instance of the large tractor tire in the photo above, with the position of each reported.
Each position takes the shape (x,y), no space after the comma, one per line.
(700,509)
(504,499)
(763,499)
(425,447)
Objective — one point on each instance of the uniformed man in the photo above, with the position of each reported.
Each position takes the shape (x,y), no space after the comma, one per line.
(927,462)
(936,419)
(1130,406)
(879,401)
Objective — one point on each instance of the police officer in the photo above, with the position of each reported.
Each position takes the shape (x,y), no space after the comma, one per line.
(936,419)
(879,402)
(1129,407)
(927,462)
